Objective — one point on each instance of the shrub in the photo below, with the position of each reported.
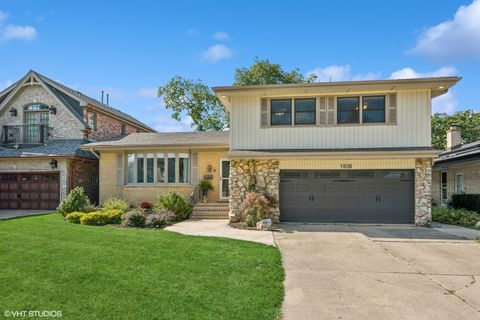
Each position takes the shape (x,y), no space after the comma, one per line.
(76,200)
(74,217)
(460,217)
(96,218)
(146,205)
(115,203)
(89,208)
(466,201)
(160,219)
(174,202)
(134,219)
(205,186)
(257,206)
(114,216)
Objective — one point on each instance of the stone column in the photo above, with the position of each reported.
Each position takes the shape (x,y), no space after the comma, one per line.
(266,176)
(423,191)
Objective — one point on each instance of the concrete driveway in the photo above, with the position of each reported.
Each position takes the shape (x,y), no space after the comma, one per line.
(378,272)
(8,214)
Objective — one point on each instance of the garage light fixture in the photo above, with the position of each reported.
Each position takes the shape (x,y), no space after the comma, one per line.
(53,110)
(53,164)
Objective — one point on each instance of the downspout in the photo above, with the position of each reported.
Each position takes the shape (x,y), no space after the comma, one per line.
(95,154)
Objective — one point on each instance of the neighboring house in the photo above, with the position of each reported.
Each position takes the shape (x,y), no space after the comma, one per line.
(356,151)
(43,123)
(457,169)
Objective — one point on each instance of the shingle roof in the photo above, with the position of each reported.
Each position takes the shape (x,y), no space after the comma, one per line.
(204,138)
(59,148)
(465,151)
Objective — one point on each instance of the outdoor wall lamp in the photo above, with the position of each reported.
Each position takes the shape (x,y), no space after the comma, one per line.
(53,164)
(53,110)
(13,112)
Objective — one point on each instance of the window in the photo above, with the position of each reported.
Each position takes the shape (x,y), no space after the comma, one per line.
(305,110)
(171,167)
(161,167)
(347,110)
(92,121)
(140,168)
(443,187)
(123,129)
(281,112)
(183,163)
(130,168)
(120,180)
(459,183)
(150,171)
(373,109)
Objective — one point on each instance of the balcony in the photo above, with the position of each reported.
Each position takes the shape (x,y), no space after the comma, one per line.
(24,135)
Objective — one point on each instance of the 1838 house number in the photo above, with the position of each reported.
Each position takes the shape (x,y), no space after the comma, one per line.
(346,165)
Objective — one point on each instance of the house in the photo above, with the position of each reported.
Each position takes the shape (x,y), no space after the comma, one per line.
(356,151)
(457,169)
(43,124)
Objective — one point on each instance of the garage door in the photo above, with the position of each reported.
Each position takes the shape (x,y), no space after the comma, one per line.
(29,191)
(371,196)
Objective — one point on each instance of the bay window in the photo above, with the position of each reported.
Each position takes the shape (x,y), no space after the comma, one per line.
(171,167)
(183,168)
(140,168)
(160,167)
(150,167)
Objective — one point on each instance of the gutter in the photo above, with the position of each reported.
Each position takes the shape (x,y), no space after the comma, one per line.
(94,153)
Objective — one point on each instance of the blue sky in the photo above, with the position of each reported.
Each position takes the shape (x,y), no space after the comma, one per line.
(129,48)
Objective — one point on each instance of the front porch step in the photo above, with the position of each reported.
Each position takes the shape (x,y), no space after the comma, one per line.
(213,210)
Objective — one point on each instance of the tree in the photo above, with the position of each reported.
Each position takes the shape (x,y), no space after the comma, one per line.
(468,120)
(264,72)
(197,100)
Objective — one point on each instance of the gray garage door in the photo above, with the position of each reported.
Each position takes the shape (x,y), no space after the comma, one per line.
(369,196)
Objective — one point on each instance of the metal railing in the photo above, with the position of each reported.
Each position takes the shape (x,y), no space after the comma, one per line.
(196,196)
(24,134)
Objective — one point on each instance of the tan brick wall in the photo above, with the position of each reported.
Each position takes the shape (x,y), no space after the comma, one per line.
(212,158)
(471,180)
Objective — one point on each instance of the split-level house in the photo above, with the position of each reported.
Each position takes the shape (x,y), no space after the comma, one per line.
(357,151)
(43,124)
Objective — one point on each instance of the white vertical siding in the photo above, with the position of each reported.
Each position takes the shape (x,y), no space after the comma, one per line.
(412,128)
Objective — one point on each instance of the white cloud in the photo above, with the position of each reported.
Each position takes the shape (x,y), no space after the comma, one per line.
(3,17)
(453,39)
(220,35)
(216,52)
(166,124)
(11,32)
(409,73)
(147,92)
(340,73)
(445,103)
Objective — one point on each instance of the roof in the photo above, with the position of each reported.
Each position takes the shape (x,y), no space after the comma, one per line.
(470,151)
(74,100)
(438,86)
(56,148)
(166,139)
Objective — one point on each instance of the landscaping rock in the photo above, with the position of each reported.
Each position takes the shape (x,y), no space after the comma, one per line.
(265,224)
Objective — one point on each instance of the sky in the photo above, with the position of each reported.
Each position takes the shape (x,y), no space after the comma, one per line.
(130,48)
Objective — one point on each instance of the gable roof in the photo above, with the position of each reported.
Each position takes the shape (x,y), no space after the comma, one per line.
(165,139)
(467,152)
(72,99)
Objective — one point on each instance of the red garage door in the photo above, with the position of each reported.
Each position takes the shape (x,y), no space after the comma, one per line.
(29,191)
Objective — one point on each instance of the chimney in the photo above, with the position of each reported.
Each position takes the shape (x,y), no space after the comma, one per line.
(108,95)
(454,137)
(102,96)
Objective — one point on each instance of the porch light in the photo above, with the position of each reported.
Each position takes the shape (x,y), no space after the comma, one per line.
(13,112)
(53,164)
(53,110)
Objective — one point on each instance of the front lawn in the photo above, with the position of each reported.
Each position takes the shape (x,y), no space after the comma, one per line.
(88,272)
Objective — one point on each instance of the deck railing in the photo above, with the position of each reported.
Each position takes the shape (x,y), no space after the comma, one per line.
(24,134)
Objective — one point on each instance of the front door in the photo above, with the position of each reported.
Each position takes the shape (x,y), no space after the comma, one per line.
(224,178)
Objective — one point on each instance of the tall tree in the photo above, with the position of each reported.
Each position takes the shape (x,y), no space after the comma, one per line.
(264,72)
(196,100)
(468,120)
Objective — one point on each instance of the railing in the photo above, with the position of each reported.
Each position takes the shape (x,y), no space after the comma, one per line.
(195,196)
(24,134)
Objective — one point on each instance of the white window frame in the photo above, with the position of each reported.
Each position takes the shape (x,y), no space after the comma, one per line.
(443,187)
(457,175)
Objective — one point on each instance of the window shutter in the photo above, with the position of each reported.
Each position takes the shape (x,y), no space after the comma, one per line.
(322,116)
(120,179)
(331,111)
(392,108)
(194,168)
(263,113)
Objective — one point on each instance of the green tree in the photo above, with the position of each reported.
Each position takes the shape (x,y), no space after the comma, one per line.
(195,99)
(264,72)
(468,120)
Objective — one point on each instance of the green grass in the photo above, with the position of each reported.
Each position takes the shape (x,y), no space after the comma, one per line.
(113,273)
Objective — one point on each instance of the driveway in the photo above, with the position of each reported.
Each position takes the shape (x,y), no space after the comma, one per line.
(8,214)
(378,272)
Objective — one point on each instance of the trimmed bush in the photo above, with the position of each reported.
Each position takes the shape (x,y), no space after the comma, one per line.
(96,218)
(115,203)
(89,208)
(134,219)
(461,217)
(114,216)
(76,201)
(174,202)
(74,217)
(160,219)
(466,201)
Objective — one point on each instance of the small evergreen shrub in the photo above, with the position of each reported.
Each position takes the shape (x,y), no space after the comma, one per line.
(134,219)
(160,219)
(74,217)
(76,200)
(114,216)
(115,203)
(96,218)
(89,208)
(466,201)
(461,217)
(174,202)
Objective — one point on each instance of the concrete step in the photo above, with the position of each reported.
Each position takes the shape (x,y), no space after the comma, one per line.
(210,210)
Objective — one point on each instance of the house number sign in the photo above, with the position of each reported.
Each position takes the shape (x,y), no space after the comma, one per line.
(346,165)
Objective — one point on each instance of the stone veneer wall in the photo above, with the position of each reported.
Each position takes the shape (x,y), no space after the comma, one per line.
(423,191)
(267,176)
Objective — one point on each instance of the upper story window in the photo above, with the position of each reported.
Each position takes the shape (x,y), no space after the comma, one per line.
(123,129)
(92,120)
(305,110)
(36,114)
(348,110)
(281,112)
(373,109)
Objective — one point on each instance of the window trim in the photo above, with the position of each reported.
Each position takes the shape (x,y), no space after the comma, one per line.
(384,107)
(315,111)
(459,174)
(271,113)
(443,187)
(359,97)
